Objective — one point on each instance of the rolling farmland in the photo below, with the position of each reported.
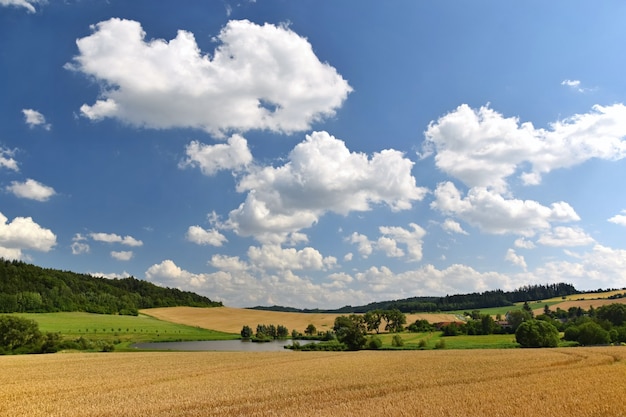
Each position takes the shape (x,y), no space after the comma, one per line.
(529,382)
(231,320)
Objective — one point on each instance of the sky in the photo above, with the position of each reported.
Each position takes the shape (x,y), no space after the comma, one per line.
(316,154)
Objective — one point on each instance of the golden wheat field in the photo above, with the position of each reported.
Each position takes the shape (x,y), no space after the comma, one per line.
(540,382)
(231,320)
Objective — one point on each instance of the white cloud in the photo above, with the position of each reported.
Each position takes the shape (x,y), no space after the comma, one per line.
(200,236)
(321,175)
(259,77)
(524,243)
(113,238)
(23,234)
(273,257)
(34,118)
(619,219)
(494,214)
(29,5)
(482,148)
(411,238)
(575,85)
(602,267)
(168,274)
(122,255)
(78,245)
(515,259)
(565,236)
(388,242)
(110,275)
(31,190)
(212,158)
(6,159)
(452,226)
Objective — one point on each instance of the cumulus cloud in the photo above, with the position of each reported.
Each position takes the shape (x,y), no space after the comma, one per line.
(452,226)
(321,175)
(365,247)
(22,233)
(482,148)
(113,238)
(200,236)
(515,259)
(31,190)
(412,239)
(258,77)
(210,159)
(492,213)
(122,255)
(6,159)
(168,274)
(269,257)
(34,118)
(391,237)
(602,267)
(565,236)
(29,5)
(524,243)
(619,219)
(79,245)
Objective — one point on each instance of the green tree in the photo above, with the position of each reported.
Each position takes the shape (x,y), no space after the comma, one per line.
(395,320)
(517,317)
(310,330)
(615,313)
(351,331)
(537,333)
(373,318)
(246,332)
(591,333)
(19,335)
(282,332)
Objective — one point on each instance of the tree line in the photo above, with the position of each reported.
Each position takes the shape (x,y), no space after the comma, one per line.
(26,288)
(486,299)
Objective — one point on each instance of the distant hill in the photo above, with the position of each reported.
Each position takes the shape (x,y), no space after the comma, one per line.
(31,289)
(473,301)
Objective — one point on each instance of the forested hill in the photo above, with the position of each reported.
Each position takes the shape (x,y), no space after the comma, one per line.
(32,289)
(473,301)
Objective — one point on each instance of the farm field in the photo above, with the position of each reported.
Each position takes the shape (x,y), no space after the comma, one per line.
(123,328)
(513,382)
(231,320)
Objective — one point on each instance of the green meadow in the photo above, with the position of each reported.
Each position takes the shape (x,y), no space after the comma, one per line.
(120,330)
(432,339)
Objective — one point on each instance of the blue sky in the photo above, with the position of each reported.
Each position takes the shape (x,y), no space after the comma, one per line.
(316,154)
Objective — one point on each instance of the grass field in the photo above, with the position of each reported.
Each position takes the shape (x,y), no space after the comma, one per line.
(480,383)
(108,327)
(492,341)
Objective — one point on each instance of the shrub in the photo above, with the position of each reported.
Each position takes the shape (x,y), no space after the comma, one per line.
(374,343)
(537,333)
(441,344)
(397,341)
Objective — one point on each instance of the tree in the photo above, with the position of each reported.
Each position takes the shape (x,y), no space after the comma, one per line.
(591,333)
(615,313)
(517,317)
(373,318)
(537,333)
(351,331)
(310,330)
(246,332)
(282,332)
(19,335)
(395,320)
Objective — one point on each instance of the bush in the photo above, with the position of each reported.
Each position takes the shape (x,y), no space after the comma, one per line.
(397,341)
(441,344)
(374,343)
(536,333)
(422,344)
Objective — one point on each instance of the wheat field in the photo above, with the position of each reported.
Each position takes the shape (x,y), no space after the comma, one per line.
(517,382)
(231,320)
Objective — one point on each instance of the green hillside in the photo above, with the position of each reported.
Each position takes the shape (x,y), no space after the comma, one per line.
(26,288)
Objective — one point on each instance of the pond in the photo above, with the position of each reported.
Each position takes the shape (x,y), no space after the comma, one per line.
(223,345)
